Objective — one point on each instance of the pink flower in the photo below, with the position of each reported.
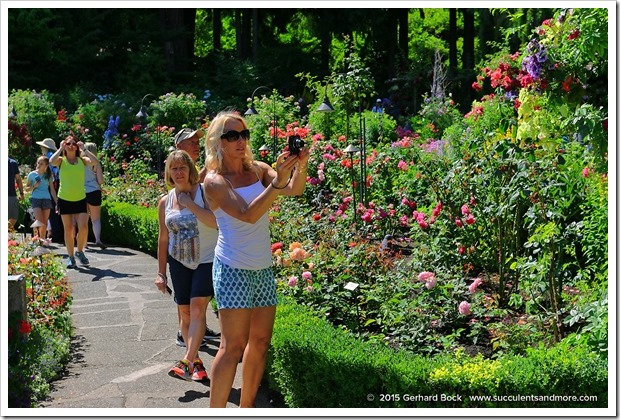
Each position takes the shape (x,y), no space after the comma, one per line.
(292,281)
(306,275)
(476,86)
(464,308)
(309,289)
(458,222)
(426,276)
(470,219)
(461,250)
(586,172)
(464,209)
(403,166)
(430,283)
(477,282)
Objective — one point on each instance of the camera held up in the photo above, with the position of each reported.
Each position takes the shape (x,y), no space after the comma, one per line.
(295,144)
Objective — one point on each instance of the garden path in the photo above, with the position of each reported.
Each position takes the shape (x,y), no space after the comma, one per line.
(124,341)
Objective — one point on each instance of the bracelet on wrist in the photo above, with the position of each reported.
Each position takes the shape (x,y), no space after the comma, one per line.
(279,188)
(163,276)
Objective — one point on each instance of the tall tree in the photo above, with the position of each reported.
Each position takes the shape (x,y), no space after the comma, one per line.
(452,37)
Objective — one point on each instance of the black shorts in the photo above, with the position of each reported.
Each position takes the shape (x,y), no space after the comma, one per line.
(71,207)
(94,198)
(190,283)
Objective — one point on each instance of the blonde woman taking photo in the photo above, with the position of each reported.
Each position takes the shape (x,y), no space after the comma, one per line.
(240,192)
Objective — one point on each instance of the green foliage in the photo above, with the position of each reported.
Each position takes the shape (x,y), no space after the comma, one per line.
(34,122)
(38,347)
(130,225)
(304,347)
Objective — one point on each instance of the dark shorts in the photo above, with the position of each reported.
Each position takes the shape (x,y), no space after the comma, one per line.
(41,203)
(190,283)
(94,198)
(13,207)
(71,207)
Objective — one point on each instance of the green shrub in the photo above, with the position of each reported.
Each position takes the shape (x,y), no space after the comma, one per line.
(313,364)
(130,225)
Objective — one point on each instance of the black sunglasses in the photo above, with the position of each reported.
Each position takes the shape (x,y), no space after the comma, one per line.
(234,135)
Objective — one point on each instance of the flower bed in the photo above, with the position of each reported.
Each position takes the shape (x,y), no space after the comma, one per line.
(39,346)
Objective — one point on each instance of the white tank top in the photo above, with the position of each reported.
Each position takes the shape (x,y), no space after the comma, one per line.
(240,244)
(183,227)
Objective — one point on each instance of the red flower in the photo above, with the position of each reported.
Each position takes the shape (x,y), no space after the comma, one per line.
(574,34)
(476,86)
(24,327)
(316,217)
(276,246)
(566,83)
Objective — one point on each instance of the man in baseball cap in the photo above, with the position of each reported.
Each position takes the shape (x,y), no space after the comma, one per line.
(189,140)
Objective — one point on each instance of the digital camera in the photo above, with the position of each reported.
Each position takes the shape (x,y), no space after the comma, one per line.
(295,144)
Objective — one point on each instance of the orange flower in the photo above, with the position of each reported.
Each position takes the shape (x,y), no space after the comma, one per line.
(294,245)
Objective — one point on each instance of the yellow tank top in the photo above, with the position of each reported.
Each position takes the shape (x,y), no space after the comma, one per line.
(72,180)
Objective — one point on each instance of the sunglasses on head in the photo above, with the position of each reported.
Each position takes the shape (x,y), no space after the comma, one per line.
(234,135)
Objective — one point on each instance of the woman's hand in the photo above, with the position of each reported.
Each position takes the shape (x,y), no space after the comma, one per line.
(285,163)
(184,199)
(161,282)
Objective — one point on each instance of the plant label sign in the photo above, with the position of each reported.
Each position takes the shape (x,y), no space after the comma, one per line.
(351,286)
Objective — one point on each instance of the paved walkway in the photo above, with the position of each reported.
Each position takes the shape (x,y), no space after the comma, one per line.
(124,340)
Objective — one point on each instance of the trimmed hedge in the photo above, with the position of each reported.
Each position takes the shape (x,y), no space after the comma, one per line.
(312,364)
(130,225)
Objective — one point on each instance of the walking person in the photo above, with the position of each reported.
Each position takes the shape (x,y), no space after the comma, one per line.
(241,191)
(55,230)
(187,236)
(93,180)
(71,159)
(41,181)
(188,140)
(13,203)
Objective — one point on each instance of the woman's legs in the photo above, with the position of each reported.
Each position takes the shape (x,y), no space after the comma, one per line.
(196,329)
(67,222)
(95,218)
(82,235)
(235,326)
(255,355)
(41,215)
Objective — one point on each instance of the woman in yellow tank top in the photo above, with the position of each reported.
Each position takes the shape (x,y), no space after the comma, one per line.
(71,159)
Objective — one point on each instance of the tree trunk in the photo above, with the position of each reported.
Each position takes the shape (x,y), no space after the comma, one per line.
(179,45)
(238,33)
(468,39)
(217,30)
(403,36)
(452,35)
(255,35)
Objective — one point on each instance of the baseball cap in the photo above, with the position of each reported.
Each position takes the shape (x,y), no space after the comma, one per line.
(186,133)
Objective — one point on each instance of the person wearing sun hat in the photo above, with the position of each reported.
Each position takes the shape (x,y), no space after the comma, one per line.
(48,147)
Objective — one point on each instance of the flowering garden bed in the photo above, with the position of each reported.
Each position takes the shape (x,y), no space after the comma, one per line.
(497,217)
(38,347)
